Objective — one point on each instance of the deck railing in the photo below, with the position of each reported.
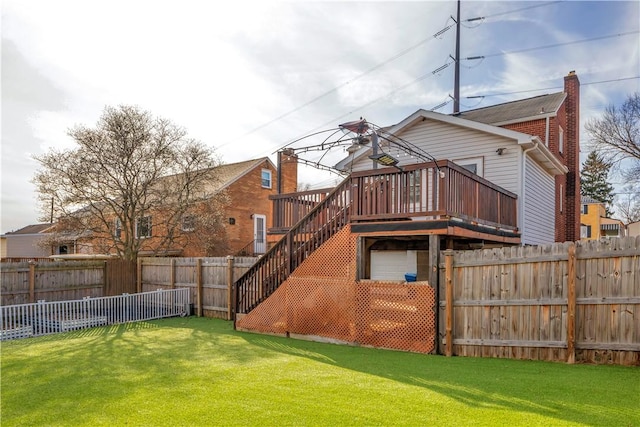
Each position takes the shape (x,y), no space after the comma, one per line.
(421,191)
(290,208)
(328,217)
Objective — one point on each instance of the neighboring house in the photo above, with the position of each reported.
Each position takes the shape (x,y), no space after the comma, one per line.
(633,229)
(594,223)
(30,242)
(504,175)
(247,213)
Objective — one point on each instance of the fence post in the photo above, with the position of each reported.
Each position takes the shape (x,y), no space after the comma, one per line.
(199,286)
(139,275)
(32,282)
(172,274)
(434,282)
(105,278)
(571,305)
(230,262)
(448,274)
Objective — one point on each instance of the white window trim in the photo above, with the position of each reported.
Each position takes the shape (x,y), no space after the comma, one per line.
(477,161)
(270,178)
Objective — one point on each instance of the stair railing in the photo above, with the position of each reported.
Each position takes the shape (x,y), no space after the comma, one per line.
(273,268)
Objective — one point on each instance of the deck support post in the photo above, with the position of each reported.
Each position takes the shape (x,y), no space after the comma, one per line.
(434,282)
(448,257)
(230,304)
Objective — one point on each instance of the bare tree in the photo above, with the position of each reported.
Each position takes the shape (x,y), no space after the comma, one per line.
(627,205)
(616,135)
(130,183)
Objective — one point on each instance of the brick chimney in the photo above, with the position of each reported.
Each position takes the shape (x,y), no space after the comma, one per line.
(572,157)
(287,171)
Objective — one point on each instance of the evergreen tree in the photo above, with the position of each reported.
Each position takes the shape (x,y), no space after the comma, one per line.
(593,180)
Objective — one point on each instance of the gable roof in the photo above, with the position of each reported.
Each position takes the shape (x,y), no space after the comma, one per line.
(539,151)
(538,107)
(460,121)
(31,229)
(227,174)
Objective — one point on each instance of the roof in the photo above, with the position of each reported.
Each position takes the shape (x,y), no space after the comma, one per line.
(31,229)
(226,174)
(229,173)
(586,200)
(537,107)
(540,152)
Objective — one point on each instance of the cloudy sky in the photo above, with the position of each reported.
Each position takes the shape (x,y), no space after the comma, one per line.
(249,77)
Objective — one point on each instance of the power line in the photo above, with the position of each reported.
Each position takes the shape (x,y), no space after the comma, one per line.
(552,88)
(513,11)
(413,47)
(446,65)
(335,89)
(552,45)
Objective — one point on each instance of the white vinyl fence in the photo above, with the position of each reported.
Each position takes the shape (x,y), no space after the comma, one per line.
(42,318)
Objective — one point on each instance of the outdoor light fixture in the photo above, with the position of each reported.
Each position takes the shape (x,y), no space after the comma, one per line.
(384,159)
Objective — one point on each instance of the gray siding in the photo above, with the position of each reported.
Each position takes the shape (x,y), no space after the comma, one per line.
(539,205)
(445,141)
(25,246)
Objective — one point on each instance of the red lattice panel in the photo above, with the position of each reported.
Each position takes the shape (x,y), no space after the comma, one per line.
(321,298)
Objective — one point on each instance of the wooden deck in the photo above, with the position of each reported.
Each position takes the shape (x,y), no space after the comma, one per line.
(428,198)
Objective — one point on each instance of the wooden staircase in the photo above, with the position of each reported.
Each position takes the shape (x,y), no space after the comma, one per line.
(272,269)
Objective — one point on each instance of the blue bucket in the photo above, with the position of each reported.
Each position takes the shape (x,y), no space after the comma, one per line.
(410,277)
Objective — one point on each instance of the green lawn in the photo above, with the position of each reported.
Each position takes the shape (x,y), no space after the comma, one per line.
(200,372)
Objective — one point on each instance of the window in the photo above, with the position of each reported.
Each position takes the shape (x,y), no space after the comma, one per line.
(585,209)
(117,228)
(266,178)
(143,227)
(188,223)
(473,165)
(560,140)
(63,250)
(585,231)
(561,197)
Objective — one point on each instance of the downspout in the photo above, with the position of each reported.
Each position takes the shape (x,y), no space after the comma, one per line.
(524,199)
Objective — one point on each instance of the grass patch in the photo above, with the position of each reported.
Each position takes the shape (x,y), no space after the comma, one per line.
(199,372)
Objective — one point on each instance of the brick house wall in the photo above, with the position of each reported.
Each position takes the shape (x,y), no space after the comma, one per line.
(247,197)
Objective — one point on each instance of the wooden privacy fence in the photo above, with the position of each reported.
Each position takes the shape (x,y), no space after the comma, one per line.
(29,282)
(563,302)
(210,280)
